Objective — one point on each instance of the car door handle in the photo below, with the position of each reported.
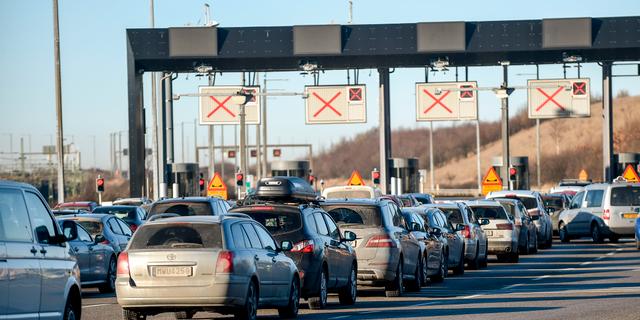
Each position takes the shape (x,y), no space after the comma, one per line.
(273,259)
(256,258)
(43,250)
(34,250)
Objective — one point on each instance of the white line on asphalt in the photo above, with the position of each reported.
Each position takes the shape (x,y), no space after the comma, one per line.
(541,277)
(97,305)
(472,296)
(611,253)
(619,249)
(424,304)
(586,263)
(600,258)
(513,286)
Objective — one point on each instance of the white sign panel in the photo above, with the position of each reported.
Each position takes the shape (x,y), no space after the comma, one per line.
(446,101)
(217,107)
(335,104)
(558,98)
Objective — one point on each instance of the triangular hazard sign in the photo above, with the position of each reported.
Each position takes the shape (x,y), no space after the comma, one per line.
(356,179)
(630,174)
(216,183)
(491,178)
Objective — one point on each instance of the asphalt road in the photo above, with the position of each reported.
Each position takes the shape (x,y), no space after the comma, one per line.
(580,280)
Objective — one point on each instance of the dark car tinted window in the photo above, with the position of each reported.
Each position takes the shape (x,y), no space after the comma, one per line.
(322,227)
(174,236)
(333,228)
(183,208)
(625,196)
(265,238)
(113,226)
(553,202)
(239,237)
(14,220)
(122,213)
(41,221)
(83,235)
(94,227)
(254,240)
(277,222)
(490,212)
(453,215)
(363,215)
(594,198)
(125,228)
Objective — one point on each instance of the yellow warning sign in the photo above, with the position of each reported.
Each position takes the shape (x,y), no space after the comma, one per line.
(356,179)
(630,174)
(583,176)
(491,182)
(217,188)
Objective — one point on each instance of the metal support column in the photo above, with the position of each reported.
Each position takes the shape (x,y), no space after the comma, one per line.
(155,164)
(170,154)
(222,153)
(58,89)
(384,128)
(195,141)
(608,161)
(263,114)
(163,178)
(432,174)
(504,170)
(538,156)
(136,127)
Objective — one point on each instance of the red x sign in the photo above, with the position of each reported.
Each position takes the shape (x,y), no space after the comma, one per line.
(355,94)
(550,98)
(327,104)
(220,105)
(437,101)
(579,88)
(466,93)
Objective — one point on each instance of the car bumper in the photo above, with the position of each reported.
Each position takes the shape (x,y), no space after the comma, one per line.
(500,246)
(371,272)
(622,231)
(223,292)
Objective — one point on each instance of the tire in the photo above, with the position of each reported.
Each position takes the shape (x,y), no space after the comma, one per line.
(291,310)
(349,293)
(110,285)
(614,238)
(128,314)
(550,242)
(475,263)
(415,285)
(320,301)
(71,311)
(395,288)
(185,314)
(524,249)
(596,234)
(485,260)
(250,309)
(502,258)
(563,233)
(637,243)
(443,270)
(514,257)
(459,269)
(425,270)
(534,248)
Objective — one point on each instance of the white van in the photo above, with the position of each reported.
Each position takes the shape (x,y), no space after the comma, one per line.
(351,192)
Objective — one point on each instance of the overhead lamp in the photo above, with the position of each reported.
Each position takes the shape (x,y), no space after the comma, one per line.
(440,64)
(308,66)
(203,68)
(571,58)
(502,92)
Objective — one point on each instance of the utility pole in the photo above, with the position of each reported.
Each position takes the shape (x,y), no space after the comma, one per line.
(58,89)
(120,153)
(432,174)
(504,169)
(258,164)
(221,153)
(195,140)
(22,157)
(212,158)
(155,166)
(538,165)
(93,140)
(263,114)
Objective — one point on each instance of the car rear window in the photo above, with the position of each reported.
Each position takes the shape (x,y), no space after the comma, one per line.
(94,227)
(625,196)
(406,201)
(453,215)
(423,200)
(177,236)
(349,194)
(183,208)
(491,213)
(355,215)
(510,207)
(118,212)
(529,203)
(553,202)
(277,222)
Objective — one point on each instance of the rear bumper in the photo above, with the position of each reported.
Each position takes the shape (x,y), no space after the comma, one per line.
(500,246)
(372,272)
(470,249)
(623,231)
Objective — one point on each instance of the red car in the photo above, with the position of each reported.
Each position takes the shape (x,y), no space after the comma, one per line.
(78,205)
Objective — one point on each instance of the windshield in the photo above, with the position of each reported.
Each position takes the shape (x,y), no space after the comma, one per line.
(277,222)
(453,215)
(172,236)
(423,200)
(553,202)
(406,201)
(122,213)
(183,208)
(355,215)
(510,207)
(93,227)
(491,213)
(349,194)
(625,196)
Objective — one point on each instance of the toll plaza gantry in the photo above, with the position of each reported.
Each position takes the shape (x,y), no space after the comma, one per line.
(374,46)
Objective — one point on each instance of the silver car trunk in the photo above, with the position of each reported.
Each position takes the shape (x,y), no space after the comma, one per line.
(624,206)
(163,268)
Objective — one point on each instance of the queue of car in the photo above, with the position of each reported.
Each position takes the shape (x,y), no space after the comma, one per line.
(283,243)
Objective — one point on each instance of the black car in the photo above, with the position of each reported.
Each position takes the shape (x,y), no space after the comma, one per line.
(132,215)
(189,206)
(104,228)
(326,261)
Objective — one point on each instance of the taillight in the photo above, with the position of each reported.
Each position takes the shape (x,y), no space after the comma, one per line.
(518,222)
(606,215)
(133,227)
(123,264)
(105,242)
(304,246)
(381,241)
(466,232)
(504,226)
(225,262)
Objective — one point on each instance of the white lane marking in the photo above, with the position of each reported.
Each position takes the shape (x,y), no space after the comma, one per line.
(424,304)
(340,317)
(541,277)
(513,286)
(473,296)
(611,253)
(586,263)
(600,258)
(619,249)
(97,305)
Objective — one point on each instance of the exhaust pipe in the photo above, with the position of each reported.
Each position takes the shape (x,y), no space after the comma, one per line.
(508,249)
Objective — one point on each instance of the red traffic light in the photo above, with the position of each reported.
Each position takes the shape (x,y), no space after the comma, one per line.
(201,182)
(239,179)
(231,154)
(277,152)
(375,174)
(100,182)
(312,179)
(513,171)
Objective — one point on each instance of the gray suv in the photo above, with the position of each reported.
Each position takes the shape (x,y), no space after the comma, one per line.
(33,246)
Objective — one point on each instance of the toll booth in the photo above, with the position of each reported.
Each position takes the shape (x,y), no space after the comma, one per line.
(407,170)
(627,158)
(186,176)
(521,165)
(290,168)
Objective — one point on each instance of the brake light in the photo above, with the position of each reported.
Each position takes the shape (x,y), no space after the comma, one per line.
(518,222)
(466,232)
(133,227)
(123,264)
(304,246)
(381,241)
(504,226)
(225,262)
(606,215)
(105,242)
(262,208)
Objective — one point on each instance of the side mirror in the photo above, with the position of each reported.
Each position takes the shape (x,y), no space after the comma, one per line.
(437,232)
(70,230)
(459,227)
(484,222)
(99,238)
(349,236)
(286,246)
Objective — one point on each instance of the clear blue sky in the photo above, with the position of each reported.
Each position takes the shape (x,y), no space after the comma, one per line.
(92,35)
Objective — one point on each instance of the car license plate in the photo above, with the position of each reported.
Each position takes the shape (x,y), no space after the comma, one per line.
(629,215)
(170,271)
(489,233)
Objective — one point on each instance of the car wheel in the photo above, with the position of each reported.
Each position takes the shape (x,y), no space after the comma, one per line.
(250,309)
(416,284)
(459,269)
(514,257)
(503,257)
(128,314)
(71,311)
(534,247)
(394,288)
(637,243)
(524,249)
(110,285)
(614,238)
(291,310)
(596,234)
(443,269)
(563,233)
(485,260)
(320,301)
(550,242)
(425,270)
(185,314)
(475,263)
(349,293)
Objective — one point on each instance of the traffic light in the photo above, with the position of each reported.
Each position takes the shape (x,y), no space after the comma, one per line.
(512,173)
(201,183)
(100,184)
(239,179)
(231,154)
(277,152)
(254,153)
(375,176)
(312,179)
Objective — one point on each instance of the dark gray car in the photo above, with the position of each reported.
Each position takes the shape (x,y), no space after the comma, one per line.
(105,229)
